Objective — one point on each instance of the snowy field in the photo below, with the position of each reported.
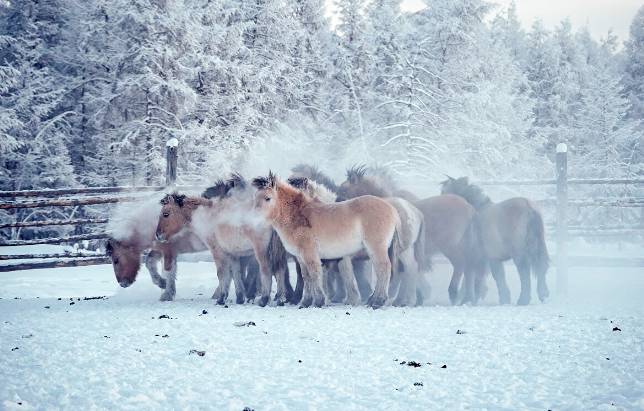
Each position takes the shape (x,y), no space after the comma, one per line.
(60,351)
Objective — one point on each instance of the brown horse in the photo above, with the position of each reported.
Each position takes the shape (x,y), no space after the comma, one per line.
(412,233)
(451,227)
(311,231)
(223,223)
(512,229)
(360,267)
(125,255)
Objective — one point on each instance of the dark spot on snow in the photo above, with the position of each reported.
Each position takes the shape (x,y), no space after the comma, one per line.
(95,298)
(14,349)
(199,353)
(204,312)
(616,329)
(531,328)
(16,298)
(444,366)
(72,303)
(348,313)
(429,363)
(267,333)
(47,306)
(165,336)
(225,306)
(561,316)
(244,324)
(199,294)
(164,316)
(299,360)
(413,364)
(106,336)
(138,350)
(607,358)
(27,336)
(461,332)
(59,299)
(418,384)
(404,362)
(247,409)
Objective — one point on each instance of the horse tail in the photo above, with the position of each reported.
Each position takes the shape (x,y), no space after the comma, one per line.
(276,254)
(395,249)
(424,261)
(535,238)
(472,244)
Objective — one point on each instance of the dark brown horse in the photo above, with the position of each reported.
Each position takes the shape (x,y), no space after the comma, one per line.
(312,230)
(451,227)
(225,224)
(512,229)
(413,235)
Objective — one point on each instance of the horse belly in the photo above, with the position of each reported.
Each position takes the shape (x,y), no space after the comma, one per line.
(233,240)
(339,245)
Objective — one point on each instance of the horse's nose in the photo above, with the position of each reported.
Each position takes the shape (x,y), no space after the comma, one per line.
(160,237)
(125,283)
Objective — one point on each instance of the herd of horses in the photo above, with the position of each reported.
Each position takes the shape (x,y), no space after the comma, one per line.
(364,240)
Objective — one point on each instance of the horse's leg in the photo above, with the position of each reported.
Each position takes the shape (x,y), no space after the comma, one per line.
(498,273)
(223,273)
(380,260)
(252,279)
(314,271)
(523,267)
(299,286)
(470,278)
(409,284)
(459,268)
(424,288)
(284,289)
(339,279)
(234,265)
(349,280)
(307,296)
(151,261)
(261,254)
(328,280)
(170,272)
(362,268)
(394,284)
(542,286)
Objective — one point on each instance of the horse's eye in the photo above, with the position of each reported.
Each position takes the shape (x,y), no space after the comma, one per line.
(116,261)
(166,215)
(267,199)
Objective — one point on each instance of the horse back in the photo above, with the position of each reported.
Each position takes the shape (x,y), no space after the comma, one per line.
(506,224)
(405,194)
(447,218)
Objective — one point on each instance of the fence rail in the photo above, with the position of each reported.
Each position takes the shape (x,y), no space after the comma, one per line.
(71,191)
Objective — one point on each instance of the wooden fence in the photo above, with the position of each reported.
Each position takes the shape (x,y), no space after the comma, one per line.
(12,200)
(562,229)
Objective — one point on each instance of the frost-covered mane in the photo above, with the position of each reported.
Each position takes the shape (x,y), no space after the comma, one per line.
(177,198)
(219,190)
(314,174)
(312,189)
(473,194)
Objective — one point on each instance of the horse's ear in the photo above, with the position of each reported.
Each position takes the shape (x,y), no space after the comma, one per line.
(166,200)
(110,245)
(179,199)
(236,181)
(272,180)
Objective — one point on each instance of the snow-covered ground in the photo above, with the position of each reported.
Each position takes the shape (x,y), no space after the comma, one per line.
(61,352)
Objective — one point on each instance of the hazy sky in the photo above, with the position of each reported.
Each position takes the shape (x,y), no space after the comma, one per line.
(601,15)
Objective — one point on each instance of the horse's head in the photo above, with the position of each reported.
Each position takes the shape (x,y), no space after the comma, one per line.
(357,184)
(454,186)
(266,196)
(126,261)
(172,217)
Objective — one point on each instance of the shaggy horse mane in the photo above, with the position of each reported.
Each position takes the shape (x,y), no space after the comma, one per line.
(219,190)
(472,193)
(177,198)
(315,175)
(301,183)
(264,182)
(379,175)
(236,181)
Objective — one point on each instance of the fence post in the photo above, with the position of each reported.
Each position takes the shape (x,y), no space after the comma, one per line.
(171,162)
(562,219)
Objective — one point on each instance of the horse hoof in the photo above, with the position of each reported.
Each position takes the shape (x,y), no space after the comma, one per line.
(377,303)
(263,301)
(240,298)
(162,284)
(166,297)
(523,302)
(544,300)
(280,303)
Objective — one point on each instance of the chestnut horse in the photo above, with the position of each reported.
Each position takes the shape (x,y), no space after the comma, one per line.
(451,227)
(412,233)
(223,223)
(311,231)
(360,267)
(133,236)
(512,229)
